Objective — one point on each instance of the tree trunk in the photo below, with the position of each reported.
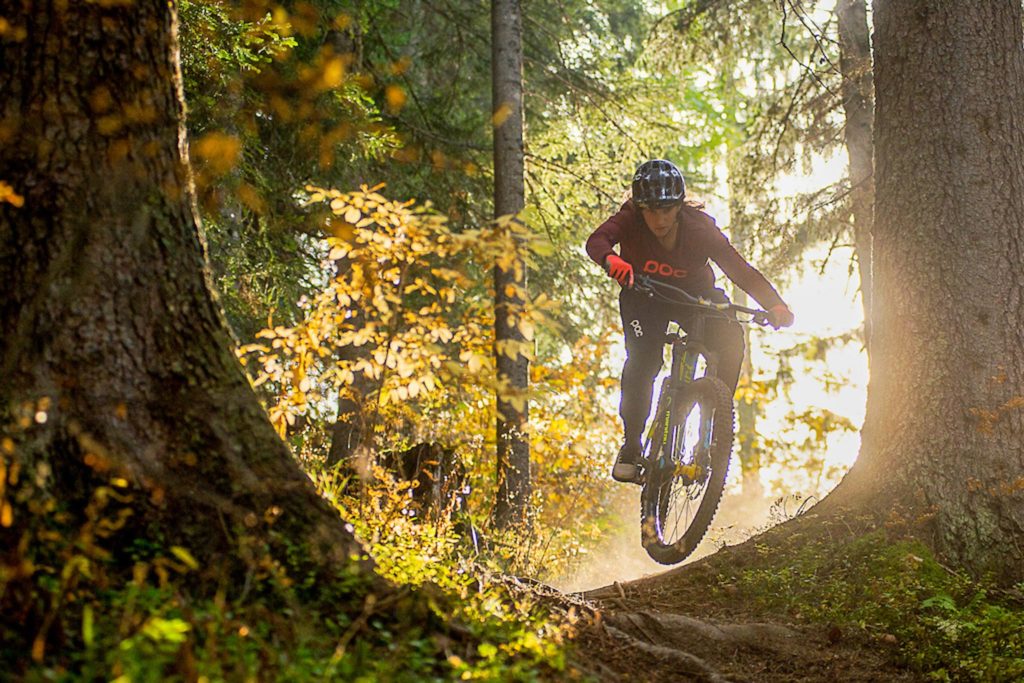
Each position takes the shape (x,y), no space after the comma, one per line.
(944,430)
(109,331)
(509,284)
(351,429)
(858,105)
(747,412)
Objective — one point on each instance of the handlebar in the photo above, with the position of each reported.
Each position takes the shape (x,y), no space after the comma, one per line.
(656,288)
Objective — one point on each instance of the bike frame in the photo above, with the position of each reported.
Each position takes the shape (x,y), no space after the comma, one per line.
(687,348)
(683,467)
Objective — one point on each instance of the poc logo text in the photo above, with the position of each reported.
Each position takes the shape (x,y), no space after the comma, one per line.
(663,269)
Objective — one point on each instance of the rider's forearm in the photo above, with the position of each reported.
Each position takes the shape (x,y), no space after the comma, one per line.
(603,240)
(746,277)
(756,285)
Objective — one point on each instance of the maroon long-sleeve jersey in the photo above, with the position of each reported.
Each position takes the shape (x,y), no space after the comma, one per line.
(687,265)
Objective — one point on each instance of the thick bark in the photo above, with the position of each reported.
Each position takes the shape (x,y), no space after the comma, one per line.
(107,310)
(747,412)
(944,430)
(509,284)
(858,105)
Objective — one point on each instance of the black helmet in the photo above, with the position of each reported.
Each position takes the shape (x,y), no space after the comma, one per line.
(658,183)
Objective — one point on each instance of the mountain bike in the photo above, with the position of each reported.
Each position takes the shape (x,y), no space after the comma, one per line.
(686,451)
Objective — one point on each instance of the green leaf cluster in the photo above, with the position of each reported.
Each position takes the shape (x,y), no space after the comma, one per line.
(894,592)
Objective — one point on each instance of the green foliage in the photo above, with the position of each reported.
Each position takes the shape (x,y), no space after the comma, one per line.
(775,82)
(403,318)
(517,633)
(410,104)
(944,624)
(83,597)
(216,41)
(273,103)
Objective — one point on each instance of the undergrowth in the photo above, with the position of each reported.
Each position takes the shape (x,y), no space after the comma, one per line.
(516,633)
(84,597)
(942,623)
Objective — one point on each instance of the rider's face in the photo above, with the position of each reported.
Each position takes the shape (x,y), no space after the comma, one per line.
(662,221)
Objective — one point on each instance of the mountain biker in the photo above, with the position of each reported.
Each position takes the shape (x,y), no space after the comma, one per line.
(671,240)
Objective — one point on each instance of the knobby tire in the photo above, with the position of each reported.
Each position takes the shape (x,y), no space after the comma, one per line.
(655,501)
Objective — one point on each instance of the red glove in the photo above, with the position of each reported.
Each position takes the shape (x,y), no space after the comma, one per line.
(780,316)
(619,269)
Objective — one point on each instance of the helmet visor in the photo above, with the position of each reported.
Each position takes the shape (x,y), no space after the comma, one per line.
(657,204)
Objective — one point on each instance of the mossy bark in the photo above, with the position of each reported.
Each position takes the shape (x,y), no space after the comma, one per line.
(944,430)
(110,334)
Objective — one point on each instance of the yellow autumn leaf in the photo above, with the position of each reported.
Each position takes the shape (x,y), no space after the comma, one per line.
(518,403)
(396,97)
(185,557)
(333,73)
(506,260)
(110,124)
(501,114)
(542,248)
(38,648)
(218,151)
(8,195)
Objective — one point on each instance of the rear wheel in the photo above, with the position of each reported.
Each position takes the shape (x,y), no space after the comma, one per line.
(681,492)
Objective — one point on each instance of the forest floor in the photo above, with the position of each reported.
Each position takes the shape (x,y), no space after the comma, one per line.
(693,623)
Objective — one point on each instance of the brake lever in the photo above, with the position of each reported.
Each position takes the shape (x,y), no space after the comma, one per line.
(642,288)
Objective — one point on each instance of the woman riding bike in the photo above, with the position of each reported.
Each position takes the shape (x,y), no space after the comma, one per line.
(667,238)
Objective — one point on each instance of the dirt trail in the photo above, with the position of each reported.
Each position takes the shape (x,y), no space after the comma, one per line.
(664,628)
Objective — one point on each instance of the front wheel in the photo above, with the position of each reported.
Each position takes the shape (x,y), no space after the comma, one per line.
(685,479)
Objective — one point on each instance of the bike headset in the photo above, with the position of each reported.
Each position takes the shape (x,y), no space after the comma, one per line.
(658,184)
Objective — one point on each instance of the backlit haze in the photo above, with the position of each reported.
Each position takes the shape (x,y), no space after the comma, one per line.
(826,302)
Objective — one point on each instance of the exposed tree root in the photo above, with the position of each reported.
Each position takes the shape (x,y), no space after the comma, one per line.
(679,631)
(668,627)
(688,667)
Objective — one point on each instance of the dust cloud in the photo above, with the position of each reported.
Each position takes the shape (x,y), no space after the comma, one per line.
(621,558)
